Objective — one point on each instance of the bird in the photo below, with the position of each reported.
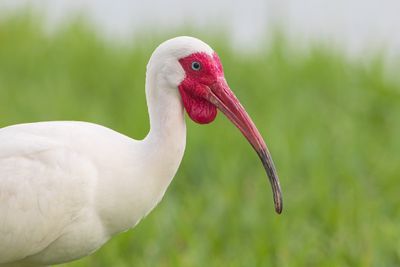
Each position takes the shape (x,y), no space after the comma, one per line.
(67,187)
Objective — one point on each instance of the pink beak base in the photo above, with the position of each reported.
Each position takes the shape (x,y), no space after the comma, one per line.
(220,95)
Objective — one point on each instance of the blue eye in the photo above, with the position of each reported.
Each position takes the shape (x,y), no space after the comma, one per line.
(196,66)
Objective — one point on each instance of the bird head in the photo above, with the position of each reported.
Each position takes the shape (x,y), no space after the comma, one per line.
(191,67)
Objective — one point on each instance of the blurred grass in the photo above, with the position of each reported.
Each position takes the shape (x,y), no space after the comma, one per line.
(332,125)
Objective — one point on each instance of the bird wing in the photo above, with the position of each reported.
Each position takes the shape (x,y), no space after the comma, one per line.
(44,186)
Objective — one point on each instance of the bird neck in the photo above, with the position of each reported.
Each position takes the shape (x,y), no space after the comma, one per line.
(154,161)
(166,140)
(166,114)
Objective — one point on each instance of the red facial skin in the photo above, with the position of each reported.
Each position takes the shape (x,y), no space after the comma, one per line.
(204,90)
(192,88)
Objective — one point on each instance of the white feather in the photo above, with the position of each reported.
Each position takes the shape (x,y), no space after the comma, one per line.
(68,187)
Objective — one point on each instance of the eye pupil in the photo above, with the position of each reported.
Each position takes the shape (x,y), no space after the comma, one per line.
(196,65)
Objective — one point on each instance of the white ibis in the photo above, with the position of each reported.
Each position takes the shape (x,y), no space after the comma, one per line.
(67,187)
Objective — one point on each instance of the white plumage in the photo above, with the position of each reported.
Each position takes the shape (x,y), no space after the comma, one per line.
(68,187)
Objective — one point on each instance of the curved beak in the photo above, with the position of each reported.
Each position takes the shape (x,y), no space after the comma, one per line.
(220,95)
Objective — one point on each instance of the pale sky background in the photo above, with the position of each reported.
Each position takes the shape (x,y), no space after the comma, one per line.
(356,26)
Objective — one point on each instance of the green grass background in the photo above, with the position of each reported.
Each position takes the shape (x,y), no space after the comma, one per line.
(332,126)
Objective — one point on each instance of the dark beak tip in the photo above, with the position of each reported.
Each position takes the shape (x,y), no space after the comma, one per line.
(278,208)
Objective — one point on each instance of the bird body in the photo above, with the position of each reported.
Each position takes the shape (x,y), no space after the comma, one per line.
(77,191)
(67,187)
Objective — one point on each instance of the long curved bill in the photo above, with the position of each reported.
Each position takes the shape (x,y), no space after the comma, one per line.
(220,95)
